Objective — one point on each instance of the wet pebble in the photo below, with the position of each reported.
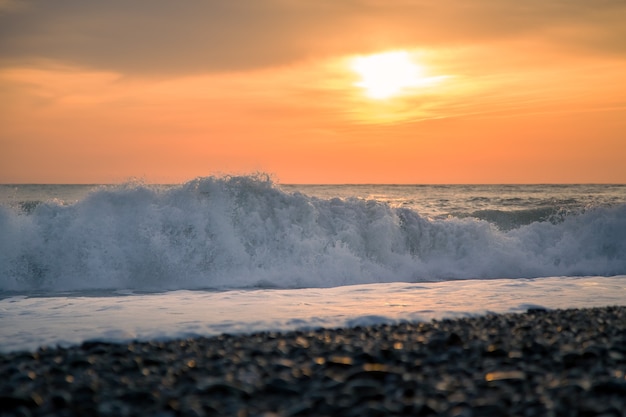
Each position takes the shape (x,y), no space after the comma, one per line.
(564,362)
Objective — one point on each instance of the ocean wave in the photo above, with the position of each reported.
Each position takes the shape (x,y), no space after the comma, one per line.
(512,219)
(238,232)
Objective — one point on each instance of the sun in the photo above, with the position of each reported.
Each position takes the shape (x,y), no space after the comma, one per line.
(387,74)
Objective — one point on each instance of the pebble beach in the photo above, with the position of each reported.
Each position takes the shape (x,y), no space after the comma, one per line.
(539,363)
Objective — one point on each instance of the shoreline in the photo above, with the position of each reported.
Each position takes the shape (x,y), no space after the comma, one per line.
(542,362)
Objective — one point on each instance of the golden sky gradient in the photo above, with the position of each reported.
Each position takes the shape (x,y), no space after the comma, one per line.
(502,91)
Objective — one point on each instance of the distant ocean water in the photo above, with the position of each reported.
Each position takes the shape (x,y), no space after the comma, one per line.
(222,240)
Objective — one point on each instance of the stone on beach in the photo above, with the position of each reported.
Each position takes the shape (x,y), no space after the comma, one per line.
(539,363)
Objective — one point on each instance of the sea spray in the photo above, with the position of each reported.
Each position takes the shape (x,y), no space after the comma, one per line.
(245,231)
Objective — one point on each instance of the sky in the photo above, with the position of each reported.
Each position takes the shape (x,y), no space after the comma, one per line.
(313,91)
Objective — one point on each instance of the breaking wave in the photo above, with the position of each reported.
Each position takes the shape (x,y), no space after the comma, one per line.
(240,232)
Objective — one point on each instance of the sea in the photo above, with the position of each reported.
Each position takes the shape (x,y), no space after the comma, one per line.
(242,254)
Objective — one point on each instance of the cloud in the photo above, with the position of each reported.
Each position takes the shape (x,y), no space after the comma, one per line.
(161,36)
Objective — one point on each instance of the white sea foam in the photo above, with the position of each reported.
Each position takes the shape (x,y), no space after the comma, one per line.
(242,232)
(30,322)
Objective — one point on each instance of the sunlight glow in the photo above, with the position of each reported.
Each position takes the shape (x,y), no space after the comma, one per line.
(387,74)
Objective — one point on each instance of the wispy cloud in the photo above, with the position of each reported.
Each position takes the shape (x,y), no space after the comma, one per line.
(161,37)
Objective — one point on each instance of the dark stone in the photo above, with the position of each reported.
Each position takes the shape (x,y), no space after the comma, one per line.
(610,388)
(424,410)
(365,389)
(80,363)
(368,410)
(19,412)
(493,352)
(138,397)
(454,340)
(10,402)
(375,374)
(571,359)
(224,388)
(489,410)
(298,410)
(60,400)
(438,340)
(519,365)
(152,361)
(94,346)
(281,387)
(535,348)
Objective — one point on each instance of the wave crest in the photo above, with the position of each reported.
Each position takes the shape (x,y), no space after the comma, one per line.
(244,231)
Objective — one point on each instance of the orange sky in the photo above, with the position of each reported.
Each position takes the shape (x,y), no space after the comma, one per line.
(510,92)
